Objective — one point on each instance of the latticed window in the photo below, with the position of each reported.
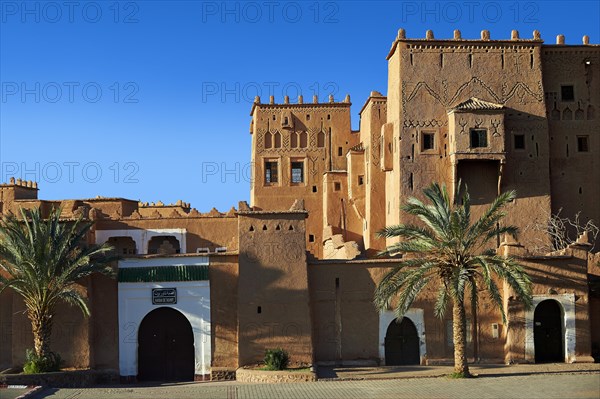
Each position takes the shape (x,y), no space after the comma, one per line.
(271,172)
(478,138)
(298,172)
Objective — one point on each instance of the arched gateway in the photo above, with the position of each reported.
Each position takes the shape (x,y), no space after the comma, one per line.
(165,347)
(402,343)
(548,333)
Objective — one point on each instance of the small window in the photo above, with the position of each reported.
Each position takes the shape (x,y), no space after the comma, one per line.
(314,189)
(478,138)
(340,151)
(582,144)
(519,141)
(567,93)
(271,172)
(298,172)
(337,186)
(311,238)
(427,141)
(361,180)
(307,117)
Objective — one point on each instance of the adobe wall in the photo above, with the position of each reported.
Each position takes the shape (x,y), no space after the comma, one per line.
(323,136)
(16,190)
(273,297)
(104,322)
(562,278)
(345,321)
(346,324)
(223,274)
(594,276)
(81,342)
(6,330)
(202,232)
(575,174)
(501,72)
(390,136)
(372,117)
(338,211)
(70,334)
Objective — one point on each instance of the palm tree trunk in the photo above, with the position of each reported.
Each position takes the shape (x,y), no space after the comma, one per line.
(41,326)
(459,331)
(475,331)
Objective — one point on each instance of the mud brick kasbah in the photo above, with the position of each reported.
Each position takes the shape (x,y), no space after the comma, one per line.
(198,295)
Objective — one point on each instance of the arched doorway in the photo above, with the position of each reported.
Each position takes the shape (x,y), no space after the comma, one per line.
(123,245)
(547,332)
(165,347)
(401,343)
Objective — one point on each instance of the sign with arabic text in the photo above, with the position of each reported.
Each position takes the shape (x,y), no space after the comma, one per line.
(164,296)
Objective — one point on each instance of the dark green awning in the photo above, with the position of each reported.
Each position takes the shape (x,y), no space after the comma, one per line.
(163,273)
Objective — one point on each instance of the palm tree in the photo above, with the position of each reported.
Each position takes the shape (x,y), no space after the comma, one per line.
(42,260)
(454,255)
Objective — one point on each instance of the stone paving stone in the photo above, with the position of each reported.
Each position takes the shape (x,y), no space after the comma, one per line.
(12,393)
(576,386)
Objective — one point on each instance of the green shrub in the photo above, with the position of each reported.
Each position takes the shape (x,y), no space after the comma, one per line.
(41,364)
(276,359)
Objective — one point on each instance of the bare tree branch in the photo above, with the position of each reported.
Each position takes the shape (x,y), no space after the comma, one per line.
(562,231)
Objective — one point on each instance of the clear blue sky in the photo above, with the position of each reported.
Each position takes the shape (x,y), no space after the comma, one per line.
(150,100)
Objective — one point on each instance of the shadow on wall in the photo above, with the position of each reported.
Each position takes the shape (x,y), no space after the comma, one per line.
(224,314)
(272,316)
(345,321)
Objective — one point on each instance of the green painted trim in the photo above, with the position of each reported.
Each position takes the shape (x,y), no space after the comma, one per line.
(163,274)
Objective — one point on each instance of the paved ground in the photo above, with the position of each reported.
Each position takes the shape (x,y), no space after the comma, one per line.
(362,373)
(556,381)
(12,393)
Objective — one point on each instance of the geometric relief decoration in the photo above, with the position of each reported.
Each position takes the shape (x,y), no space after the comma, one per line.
(260,139)
(462,124)
(312,162)
(495,124)
(286,141)
(519,89)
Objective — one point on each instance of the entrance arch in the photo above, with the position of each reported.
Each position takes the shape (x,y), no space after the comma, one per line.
(402,343)
(165,347)
(548,332)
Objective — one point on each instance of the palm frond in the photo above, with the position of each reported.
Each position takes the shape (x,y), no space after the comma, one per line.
(453,250)
(43,257)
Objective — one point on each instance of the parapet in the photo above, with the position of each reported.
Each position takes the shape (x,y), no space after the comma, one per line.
(300,103)
(376,98)
(17,189)
(21,183)
(160,204)
(484,37)
(159,210)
